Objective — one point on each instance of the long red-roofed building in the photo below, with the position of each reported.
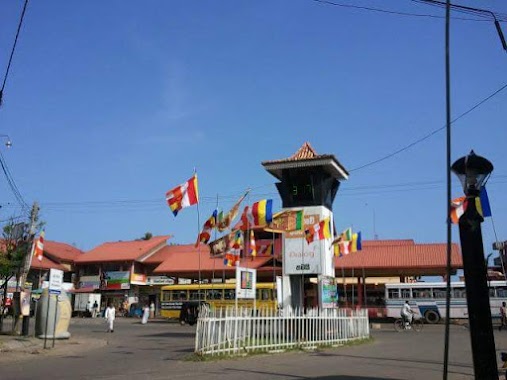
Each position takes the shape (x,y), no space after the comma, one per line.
(117,270)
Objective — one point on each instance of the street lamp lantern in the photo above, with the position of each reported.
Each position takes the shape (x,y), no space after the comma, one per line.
(472,171)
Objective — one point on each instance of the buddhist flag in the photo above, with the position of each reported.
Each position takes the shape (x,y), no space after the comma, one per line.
(458,207)
(259,214)
(266,250)
(236,240)
(182,196)
(224,221)
(355,244)
(482,203)
(38,246)
(346,235)
(252,250)
(344,247)
(318,231)
(207,229)
(336,249)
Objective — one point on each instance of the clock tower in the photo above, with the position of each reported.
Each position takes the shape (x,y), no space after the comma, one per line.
(307,181)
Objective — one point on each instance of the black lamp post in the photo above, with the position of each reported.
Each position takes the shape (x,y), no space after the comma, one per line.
(473,171)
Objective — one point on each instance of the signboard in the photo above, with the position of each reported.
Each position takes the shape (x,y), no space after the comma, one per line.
(89,282)
(55,281)
(159,280)
(245,283)
(299,257)
(138,279)
(328,292)
(115,280)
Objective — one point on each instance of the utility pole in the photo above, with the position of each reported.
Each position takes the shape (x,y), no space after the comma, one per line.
(24,269)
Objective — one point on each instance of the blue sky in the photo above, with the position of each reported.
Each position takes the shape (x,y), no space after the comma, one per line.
(111,104)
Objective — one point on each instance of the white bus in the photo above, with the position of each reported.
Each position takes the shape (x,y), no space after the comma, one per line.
(428,299)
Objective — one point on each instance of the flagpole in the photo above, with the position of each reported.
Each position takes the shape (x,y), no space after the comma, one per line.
(353,287)
(302,291)
(216,230)
(199,243)
(364,290)
(344,286)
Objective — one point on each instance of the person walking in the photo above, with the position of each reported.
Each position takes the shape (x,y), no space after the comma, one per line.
(146,314)
(95,309)
(110,315)
(152,310)
(503,316)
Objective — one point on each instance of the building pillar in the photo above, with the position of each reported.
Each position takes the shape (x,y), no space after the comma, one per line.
(359,292)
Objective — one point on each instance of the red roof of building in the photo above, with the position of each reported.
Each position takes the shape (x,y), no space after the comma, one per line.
(401,258)
(135,250)
(184,260)
(382,243)
(46,264)
(61,251)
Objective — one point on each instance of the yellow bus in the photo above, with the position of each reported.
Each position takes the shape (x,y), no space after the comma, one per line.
(173,297)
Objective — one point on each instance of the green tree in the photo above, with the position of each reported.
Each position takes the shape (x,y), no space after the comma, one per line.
(12,250)
(147,236)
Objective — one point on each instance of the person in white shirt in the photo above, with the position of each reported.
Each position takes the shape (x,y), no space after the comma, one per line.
(110,315)
(406,313)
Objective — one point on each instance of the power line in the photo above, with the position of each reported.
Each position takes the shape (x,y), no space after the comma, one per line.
(12,51)
(155,204)
(398,13)
(430,134)
(463,9)
(12,184)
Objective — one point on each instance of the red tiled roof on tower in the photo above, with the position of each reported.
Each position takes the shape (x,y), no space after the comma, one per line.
(306,151)
(135,250)
(306,157)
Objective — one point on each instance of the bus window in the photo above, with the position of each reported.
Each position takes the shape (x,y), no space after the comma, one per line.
(439,293)
(196,295)
(491,292)
(178,295)
(405,293)
(229,294)
(264,294)
(394,293)
(501,292)
(166,296)
(213,294)
(459,293)
(421,293)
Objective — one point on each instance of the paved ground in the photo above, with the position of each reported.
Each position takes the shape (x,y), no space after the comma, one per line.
(160,350)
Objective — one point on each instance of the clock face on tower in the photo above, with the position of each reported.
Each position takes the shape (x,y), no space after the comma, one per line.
(302,191)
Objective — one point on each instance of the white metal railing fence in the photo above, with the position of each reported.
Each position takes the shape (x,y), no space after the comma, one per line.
(236,331)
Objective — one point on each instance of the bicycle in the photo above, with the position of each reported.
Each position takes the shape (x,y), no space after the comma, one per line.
(416,325)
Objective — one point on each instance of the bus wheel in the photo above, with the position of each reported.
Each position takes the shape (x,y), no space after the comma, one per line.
(431,317)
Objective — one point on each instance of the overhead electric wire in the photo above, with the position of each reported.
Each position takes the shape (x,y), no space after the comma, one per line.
(12,51)
(150,205)
(12,184)
(398,13)
(491,15)
(406,147)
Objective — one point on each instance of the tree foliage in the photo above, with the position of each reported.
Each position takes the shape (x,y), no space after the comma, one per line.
(12,250)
